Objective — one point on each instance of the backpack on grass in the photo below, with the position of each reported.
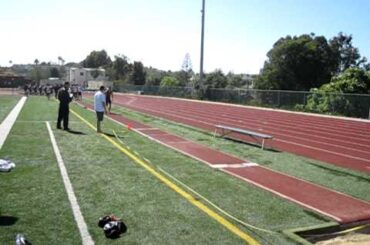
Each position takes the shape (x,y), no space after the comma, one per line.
(112,226)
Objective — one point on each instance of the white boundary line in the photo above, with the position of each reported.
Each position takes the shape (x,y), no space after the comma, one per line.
(8,122)
(85,236)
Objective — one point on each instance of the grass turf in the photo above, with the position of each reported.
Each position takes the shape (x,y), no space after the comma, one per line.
(106,181)
(7,102)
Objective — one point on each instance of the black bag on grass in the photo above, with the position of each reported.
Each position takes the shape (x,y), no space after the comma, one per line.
(112,226)
(104,220)
(114,229)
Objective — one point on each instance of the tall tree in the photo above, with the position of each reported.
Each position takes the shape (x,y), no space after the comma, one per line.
(187,71)
(138,75)
(154,76)
(97,59)
(298,63)
(330,98)
(186,64)
(61,60)
(120,67)
(216,79)
(235,80)
(54,72)
(346,55)
(169,81)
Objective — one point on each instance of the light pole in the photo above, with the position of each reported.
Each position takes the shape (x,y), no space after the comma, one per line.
(202,48)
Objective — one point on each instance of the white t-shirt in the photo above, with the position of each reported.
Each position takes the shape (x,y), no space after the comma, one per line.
(99,101)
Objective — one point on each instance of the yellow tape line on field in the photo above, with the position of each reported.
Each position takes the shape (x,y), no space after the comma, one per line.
(176,188)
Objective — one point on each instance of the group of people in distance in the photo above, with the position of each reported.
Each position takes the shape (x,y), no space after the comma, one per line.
(102,104)
(34,89)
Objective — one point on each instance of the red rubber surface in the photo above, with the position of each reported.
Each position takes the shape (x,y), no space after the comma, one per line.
(342,142)
(338,206)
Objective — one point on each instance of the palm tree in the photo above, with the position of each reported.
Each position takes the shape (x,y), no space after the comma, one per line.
(36,62)
(61,60)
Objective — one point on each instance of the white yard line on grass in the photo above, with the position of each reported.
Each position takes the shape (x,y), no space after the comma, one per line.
(85,236)
(7,124)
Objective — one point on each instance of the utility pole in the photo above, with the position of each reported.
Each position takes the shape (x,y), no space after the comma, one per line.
(202,48)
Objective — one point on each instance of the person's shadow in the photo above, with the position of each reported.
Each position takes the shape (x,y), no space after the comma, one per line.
(108,134)
(7,220)
(75,132)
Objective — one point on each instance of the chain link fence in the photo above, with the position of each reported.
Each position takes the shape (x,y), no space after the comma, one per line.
(351,105)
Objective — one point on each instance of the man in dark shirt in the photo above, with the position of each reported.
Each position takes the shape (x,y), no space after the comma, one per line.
(109,98)
(64,100)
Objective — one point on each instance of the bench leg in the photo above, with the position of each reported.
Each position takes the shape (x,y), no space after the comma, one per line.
(263,143)
(214,134)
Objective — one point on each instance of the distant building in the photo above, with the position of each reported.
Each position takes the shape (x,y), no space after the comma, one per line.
(52,81)
(81,76)
(11,80)
(95,85)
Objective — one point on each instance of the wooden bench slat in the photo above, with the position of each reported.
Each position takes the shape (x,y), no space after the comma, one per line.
(243,131)
(246,132)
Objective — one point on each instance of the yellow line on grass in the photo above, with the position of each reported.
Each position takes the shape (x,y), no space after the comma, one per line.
(176,188)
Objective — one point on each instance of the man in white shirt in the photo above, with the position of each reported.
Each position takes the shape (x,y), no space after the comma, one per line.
(99,107)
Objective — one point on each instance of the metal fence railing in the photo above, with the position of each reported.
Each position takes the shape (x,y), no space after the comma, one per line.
(351,105)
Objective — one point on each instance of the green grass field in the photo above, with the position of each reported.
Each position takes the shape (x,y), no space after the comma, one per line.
(34,201)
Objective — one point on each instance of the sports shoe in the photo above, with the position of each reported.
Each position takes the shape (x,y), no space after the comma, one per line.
(6,165)
(21,240)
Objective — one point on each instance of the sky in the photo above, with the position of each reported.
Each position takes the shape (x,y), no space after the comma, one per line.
(159,33)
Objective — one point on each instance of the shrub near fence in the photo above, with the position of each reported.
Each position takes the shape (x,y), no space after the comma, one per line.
(352,105)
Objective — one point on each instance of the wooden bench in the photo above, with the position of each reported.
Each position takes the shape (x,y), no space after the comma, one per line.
(226,130)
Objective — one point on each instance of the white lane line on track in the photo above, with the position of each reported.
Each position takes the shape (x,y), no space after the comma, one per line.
(327,151)
(331,133)
(291,198)
(8,122)
(289,142)
(242,165)
(84,232)
(147,129)
(133,96)
(284,122)
(198,119)
(284,196)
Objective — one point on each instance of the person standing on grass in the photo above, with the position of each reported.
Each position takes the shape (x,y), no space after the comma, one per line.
(99,107)
(109,98)
(64,100)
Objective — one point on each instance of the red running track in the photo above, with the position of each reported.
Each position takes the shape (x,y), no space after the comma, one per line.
(343,142)
(335,205)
